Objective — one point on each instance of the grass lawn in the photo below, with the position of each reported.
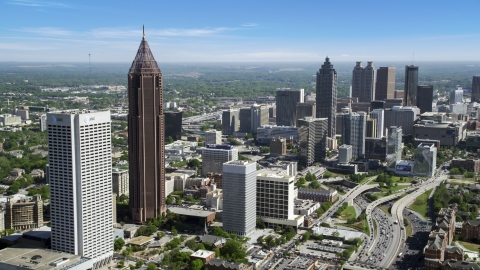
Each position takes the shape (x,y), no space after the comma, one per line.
(337,174)
(408,228)
(385,209)
(349,212)
(420,204)
(360,226)
(470,246)
(405,179)
(394,188)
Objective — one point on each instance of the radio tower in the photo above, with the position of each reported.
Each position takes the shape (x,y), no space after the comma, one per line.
(89,64)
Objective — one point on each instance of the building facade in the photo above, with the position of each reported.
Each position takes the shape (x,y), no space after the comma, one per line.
(353,133)
(344,153)
(379,115)
(363,82)
(286,102)
(24,214)
(80,175)
(404,117)
(371,128)
(120,180)
(259,117)
(456,96)
(306,109)
(239,197)
(266,133)
(230,121)
(476,88)
(411,83)
(394,147)
(245,117)
(213,137)
(385,85)
(318,195)
(376,148)
(173,125)
(312,133)
(326,91)
(213,157)
(146,138)
(278,146)
(425,159)
(471,165)
(425,98)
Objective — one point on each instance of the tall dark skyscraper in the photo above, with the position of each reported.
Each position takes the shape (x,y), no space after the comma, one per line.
(326,90)
(173,125)
(363,82)
(146,143)
(385,86)
(411,83)
(425,98)
(476,88)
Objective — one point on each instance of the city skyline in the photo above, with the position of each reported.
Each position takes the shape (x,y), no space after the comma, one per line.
(231,32)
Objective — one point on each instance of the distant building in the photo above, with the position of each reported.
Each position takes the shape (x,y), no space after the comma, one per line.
(425,98)
(286,102)
(326,95)
(476,88)
(378,114)
(394,147)
(312,139)
(213,157)
(371,128)
(456,96)
(402,117)
(471,230)
(266,133)
(24,214)
(376,148)
(23,114)
(173,125)
(411,83)
(425,160)
(344,153)
(219,264)
(10,120)
(230,121)
(385,85)
(245,117)
(306,109)
(120,179)
(449,134)
(203,255)
(278,146)
(213,137)
(259,117)
(471,165)
(353,133)
(363,82)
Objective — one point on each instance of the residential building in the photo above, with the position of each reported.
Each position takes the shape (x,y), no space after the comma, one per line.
(80,176)
(306,109)
(476,88)
(120,180)
(230,121)
(239,197)
(286,102)
(312,133)
(278,146)
(425,159)
(318,195)
(376,148)
(146,138)
(203,255)
(385,85)
(379,114)
(24,214)
(275,199)
(394,147)
(213,157)
(344,153)
(471,230)
(411,83)
(404,117)
(173,125)
(425,98)
(471,165)
(363,82)
(213,137)
(326,93)
(266,133)
(438,249)
(353,133)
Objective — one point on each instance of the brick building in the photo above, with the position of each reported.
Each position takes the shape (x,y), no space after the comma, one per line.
(438,248)
(471,230)
(471,165)
(319,195)
(278,146)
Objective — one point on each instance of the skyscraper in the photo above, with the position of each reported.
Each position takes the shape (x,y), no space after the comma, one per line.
(425,98)
(456,96)
(379,115)
(476,88)
(363,82)
(80,159)
(411,83)
(326,91)
(146,142)
(312,137)
(213,157)
(286,101)
(425,159)
(213,137)
(259,117)
(239,197)
(230,121)
(245,117)
(173,125)
(385,86)
(353,133)
(394,147)
(306,109)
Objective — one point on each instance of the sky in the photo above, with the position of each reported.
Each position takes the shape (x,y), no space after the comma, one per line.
(240,31)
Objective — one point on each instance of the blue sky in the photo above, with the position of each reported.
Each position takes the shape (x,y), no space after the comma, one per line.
(240,31)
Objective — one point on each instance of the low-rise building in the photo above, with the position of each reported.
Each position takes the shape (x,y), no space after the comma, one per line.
(203,255)
(23,214)
(219,264)
(318,195)
(278,146)
(471,165)
(471,230)
(305,207)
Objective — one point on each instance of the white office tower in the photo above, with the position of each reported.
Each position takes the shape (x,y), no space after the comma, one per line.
(456,96)
(80,159)
(379,115)
(239,197)
(213,137)
(275,199)
(344,153)
(213,157)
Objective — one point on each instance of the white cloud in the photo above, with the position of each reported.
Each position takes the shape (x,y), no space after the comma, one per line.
(249,24)
(30,3)
(47,31)
(24,47)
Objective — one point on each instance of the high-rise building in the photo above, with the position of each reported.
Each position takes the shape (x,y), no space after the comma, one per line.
(173,125)
(371,128)
(306,109)
(404,117)
(344,153)
(278,146)
(213,137)
(411,83)
(394,147)
(146,142)
(425,98)
(456,96)
(213,157)
(476,88)
(376,148)
(425,159)
(239,197)
(245,117)
(120,181)
(312,136)
(286,101)
(230,121)
(379,115)
(259,117)
(275,199)
(363,82)
(80,161)
(385,86)
(326,91)
(353,133)
(266,133)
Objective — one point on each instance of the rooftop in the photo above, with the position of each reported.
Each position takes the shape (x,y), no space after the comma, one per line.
(202,253)
(191,212)
(140,240)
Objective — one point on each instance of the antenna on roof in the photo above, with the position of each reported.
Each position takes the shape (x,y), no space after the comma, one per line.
(143,26)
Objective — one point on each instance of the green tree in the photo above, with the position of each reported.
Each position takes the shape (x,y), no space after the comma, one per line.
(152,267)
(118,244)
(169,140)
(314,184)
(138,264)
(194,163)
(174,231)
(233,250)
(196,264)
(327,174)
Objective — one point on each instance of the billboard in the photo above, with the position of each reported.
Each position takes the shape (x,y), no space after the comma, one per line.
(404,168)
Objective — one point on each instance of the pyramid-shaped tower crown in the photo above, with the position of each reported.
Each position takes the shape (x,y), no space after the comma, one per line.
(144,61)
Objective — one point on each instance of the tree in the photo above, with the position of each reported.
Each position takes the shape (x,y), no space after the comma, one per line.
(314,184)
(121,264)
(152,267)
(327,174)
(196,264)
(118,244)
(234,251)
(169,140)
(138,264)
(336,234)
(194,163)
(174,231)
(260,224)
